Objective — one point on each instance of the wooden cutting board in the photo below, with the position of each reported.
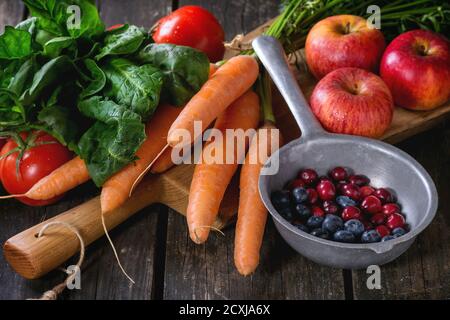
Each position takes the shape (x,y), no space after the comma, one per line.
(32,257)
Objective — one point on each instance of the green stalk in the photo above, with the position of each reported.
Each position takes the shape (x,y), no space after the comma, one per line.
(264,88)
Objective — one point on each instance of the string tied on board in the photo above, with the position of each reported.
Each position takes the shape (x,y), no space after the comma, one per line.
(71,274)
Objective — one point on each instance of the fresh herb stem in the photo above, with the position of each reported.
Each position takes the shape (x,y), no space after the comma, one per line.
(265,95)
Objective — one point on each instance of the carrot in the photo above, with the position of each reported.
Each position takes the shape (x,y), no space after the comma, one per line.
(230,82)
(164,162)
(116,189)
(252,214)
(210,181)
(68,176)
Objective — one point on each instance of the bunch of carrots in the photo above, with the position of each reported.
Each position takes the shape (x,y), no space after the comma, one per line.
(226,98)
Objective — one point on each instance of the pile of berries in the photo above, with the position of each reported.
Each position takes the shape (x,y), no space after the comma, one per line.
(340,207)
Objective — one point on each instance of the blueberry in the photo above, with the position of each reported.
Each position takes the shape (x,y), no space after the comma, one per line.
(332,223)
(300,226)
(344,236)
(387,238)
(398,232)
(354,226)
(320,234)
(303,212)
(370,236)
(345,201)
(281,199)
(286,213)
(315,222)
(300,195)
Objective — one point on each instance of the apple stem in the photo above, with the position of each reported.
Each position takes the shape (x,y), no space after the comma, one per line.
(264,88)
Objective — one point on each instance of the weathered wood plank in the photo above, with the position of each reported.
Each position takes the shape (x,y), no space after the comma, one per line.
(238,16)
(15,217)
(208,272)
(11,13)
(424,271)
(139,12)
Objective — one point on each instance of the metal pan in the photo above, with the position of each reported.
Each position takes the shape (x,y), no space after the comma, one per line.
(383,163)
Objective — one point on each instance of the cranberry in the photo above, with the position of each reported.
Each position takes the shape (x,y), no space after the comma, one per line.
(297,183)
(383,231)
(324,178)
(309,176)
(371,204)
(313,196)
(330,207)
(366,191)
(378,219)
(390,208)
(367,225)
(326,190)
(384,195)
(350,213)
(351,191)
(317,211)
(338,174)
(359,180)
(395,221)
(340,185)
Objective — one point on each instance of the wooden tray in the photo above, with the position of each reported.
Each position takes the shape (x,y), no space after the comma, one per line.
(32,257)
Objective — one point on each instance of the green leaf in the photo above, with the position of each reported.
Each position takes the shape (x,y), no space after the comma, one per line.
(111,143)
(57,121)
(12,112)
(137,87)
(53,71)
(55,46)
(28,25)
(97,79)
(23,77)
(185,70)
(90,25)
(124,40)
(59,17)
(15,44)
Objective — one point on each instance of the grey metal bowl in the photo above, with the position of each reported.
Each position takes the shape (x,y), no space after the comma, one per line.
(386,166)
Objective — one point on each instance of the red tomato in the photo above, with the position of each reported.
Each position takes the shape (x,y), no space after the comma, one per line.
(38,161)
(194,27)
(116,26)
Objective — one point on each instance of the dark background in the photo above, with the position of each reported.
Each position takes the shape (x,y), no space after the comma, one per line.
(156,250)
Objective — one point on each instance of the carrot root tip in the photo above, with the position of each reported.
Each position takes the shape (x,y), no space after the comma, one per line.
(199,240)
(12,196)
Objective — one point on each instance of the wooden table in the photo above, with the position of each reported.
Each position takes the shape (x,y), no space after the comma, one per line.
(154,245)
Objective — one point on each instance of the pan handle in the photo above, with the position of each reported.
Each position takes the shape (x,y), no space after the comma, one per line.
(272,56)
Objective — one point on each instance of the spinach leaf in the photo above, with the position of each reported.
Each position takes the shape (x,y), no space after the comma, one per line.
(111,143)
(15,44)
(43,10)
(57,121)
(28,25)
(59,17)
(137,87)
(48,75)
(97,79)
(53,47)
(185,70)
(12,112)
(124,40)
(8,69)
(23,77)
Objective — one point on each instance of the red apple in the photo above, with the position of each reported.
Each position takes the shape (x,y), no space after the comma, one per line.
(353,101)
(416,67)
(343,41)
